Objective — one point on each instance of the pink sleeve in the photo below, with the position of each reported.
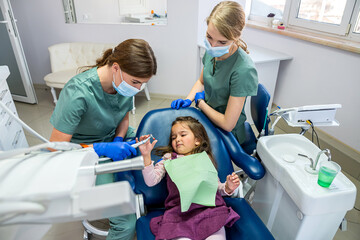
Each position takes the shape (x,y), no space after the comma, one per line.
(221,189)
(153,174)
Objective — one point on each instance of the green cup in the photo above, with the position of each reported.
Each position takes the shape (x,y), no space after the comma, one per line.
(327,173)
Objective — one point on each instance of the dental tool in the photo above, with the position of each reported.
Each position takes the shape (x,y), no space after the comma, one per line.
(135,145)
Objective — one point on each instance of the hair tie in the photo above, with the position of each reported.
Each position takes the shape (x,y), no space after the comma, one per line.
(113,50)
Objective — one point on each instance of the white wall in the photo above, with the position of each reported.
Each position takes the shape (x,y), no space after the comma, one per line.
(317,75)
(41,23)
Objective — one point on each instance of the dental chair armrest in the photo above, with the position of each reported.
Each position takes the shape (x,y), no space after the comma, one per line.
(251,166)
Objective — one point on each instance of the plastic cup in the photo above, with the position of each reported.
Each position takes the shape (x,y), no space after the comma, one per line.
(327,173)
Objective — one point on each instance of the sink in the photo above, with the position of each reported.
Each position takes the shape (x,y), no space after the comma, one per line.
(279,154)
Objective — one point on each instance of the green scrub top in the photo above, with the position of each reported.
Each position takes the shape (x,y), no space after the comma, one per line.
(88,113)
(235,76)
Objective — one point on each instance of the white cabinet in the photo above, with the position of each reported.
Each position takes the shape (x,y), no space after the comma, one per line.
(11,133)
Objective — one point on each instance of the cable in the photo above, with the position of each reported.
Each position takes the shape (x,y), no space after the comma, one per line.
(356,208)
(317,137)
(312,132)
(262,133)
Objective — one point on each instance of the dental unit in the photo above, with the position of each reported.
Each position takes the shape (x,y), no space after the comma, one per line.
(38,187)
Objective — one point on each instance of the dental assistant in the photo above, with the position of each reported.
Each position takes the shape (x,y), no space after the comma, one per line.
(229,74)
(93,109)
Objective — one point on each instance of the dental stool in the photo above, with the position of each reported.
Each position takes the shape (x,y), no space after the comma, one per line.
(225,148)
(258,105)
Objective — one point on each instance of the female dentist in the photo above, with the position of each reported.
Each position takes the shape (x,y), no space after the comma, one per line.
(229,74)
(93,109)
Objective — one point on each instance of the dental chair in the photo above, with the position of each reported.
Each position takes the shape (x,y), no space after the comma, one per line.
(259,106)
(225,148)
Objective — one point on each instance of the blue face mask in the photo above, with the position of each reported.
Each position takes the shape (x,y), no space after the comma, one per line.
(216,51)
(124,88)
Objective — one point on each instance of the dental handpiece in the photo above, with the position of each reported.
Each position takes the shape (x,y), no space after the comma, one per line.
(135,145)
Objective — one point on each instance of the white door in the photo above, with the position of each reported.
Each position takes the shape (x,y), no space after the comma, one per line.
(12,55)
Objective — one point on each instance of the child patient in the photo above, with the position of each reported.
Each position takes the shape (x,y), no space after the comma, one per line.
(188,136)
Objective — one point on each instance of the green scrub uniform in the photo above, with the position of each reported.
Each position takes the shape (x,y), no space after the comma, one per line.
(235,76)
(91,115)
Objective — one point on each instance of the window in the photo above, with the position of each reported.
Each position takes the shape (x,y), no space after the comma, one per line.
(322,11)
(337,17)
(332,16)
(357,26)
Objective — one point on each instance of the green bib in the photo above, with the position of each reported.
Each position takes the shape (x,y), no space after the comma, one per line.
(196,179)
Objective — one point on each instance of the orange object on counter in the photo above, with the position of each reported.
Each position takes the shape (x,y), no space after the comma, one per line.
(84,145)
(152,11)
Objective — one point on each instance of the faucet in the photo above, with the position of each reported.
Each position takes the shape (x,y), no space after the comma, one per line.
(311,160)
(327,153)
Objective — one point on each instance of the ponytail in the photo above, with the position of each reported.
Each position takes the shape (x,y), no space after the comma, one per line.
(134,56)
(240,43)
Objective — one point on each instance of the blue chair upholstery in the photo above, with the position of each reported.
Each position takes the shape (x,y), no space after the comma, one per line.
(224,146)
(258,105)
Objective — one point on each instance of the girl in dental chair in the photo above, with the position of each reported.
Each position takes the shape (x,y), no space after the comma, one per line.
(189,141)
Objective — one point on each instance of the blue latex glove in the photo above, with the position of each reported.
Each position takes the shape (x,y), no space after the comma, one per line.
(198,96)
(115,150)
(118,139)
(180,103)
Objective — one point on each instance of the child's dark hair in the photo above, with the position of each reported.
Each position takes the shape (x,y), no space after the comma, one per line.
(199,132)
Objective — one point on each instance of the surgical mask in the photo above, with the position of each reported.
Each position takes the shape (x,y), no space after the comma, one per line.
(124,88)
(216,51)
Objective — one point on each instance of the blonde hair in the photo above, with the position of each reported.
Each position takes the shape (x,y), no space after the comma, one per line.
(134,56)
(228,17)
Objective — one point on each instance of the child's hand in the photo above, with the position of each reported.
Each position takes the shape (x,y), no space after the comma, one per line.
(232,182)
(147,147)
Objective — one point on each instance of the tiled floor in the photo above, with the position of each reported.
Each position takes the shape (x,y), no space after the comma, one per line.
(37,117)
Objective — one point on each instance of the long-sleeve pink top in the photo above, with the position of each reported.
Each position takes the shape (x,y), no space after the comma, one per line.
(154,173)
